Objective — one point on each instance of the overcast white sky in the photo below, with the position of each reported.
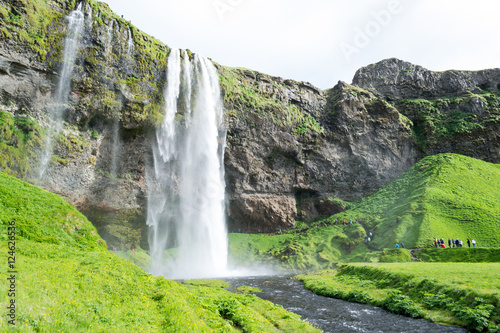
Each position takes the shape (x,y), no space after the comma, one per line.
(323,41)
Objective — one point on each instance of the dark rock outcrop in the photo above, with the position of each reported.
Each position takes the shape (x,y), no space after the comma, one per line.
(364,144)
(395,79)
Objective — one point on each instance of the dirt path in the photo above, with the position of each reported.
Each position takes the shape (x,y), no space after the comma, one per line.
(412,253)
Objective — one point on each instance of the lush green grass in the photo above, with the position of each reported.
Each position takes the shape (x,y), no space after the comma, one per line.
(461,254)
(67,281)
(312,249)
(395,255)
(482,277)
(450,293)
(139,257)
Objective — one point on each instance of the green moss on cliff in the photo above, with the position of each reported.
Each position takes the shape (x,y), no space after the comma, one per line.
(251,101)
(20,141)
(28,23)
(140,82)
(444,118)
(37,28)
(122,228)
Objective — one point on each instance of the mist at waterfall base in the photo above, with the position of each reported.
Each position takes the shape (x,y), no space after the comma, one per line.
(186,203)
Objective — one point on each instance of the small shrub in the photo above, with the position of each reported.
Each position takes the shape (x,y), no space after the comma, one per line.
(359,297)
(475,318)
(438,301)
(401,304)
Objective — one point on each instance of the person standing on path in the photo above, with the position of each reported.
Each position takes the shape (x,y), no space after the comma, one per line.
(449,242)
(473,242)
(468,242)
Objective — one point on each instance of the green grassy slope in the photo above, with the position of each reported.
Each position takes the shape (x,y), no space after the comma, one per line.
(67,281)
(446,195)
(314,249)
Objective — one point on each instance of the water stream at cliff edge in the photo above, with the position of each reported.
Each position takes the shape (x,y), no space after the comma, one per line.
(186,179)
(71,45)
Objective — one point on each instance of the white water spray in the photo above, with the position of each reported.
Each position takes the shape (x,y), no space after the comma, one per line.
(71,46)
(186,200)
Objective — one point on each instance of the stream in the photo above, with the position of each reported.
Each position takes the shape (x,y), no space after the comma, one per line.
(333,315)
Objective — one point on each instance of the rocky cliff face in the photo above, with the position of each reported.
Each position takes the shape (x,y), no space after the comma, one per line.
(394,79)
(277,171)
(451,111)
(98,163)
(290,146)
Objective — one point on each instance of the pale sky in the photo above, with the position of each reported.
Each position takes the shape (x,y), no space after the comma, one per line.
(324,41)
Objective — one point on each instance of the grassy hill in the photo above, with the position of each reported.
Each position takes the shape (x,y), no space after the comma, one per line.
(67,281)
(446,195)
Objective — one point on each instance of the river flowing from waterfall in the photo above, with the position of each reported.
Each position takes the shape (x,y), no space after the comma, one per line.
(333,315)
(186,178)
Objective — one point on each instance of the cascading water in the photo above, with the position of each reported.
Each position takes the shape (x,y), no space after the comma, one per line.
(186,180)
(109,40)
(130,46)
(71,45)
(116,148)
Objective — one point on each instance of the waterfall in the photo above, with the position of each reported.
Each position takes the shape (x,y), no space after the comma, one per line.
(186,179)
(166,135)
(71,44)
(130,45)
(109,40)
(116,148)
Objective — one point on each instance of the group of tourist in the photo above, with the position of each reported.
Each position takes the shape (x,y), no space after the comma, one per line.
(453,242)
